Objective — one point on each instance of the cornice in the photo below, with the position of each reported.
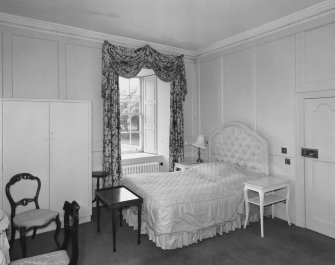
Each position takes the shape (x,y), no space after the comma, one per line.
(295,19)
(74,32)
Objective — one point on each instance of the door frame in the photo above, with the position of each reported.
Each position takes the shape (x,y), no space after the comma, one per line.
(300,162)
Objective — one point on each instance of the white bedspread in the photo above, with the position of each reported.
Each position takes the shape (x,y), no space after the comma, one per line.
(182,207)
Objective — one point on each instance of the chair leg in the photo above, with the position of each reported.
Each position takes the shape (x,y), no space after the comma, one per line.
(23,241)
(12,236)
(34,233)
(58,224)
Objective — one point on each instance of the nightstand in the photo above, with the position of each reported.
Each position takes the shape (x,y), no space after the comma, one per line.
(267,188)
(184,165)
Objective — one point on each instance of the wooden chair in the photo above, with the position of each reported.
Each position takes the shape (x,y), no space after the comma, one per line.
(31,219)
(60,257)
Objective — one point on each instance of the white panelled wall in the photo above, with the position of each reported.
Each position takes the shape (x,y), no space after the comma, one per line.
(47,65)
(261,83)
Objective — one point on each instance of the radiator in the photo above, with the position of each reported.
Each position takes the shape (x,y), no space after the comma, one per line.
(141,168)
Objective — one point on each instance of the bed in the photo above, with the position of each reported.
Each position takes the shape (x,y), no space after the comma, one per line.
(183,207)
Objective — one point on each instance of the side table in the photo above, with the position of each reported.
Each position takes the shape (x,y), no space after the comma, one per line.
(98,175)
(266,188)
(117,198)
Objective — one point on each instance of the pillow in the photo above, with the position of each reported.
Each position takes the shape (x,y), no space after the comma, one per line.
(228,174)
(212,169)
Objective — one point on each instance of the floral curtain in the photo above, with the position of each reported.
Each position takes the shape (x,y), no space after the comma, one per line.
(121,61)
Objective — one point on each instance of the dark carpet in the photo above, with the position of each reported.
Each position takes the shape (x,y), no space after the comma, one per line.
(282,244)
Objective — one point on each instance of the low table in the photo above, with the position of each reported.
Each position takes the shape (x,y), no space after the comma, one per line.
(266,188)
(117,198)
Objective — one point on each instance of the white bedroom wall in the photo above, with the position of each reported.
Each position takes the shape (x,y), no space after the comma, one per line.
(275,106)
(83,77)
(210,95)
(36,64)
(238,87)
(259,83)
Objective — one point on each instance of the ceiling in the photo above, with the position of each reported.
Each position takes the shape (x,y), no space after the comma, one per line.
(186,24)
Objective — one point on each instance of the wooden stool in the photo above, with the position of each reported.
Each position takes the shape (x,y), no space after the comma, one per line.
(98,175)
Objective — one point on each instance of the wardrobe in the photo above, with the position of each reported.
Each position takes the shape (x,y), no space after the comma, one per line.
(51,140)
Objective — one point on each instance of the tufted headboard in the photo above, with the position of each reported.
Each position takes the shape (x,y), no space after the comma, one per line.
(237,143)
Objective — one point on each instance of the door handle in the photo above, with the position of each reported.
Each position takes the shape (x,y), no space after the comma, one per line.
(310,153)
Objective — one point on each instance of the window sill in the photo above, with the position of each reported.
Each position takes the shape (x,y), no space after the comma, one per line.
(140,158)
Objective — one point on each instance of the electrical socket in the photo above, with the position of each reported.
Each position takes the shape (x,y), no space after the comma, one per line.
(284,150)
(287,161)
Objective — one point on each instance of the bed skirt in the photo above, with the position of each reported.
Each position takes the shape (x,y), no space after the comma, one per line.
(181,239)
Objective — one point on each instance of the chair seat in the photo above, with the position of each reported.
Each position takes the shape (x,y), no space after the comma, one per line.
(35,217)
(53,258)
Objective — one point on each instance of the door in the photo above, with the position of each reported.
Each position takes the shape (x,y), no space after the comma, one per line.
(320,172)
(70,164)
(26,147)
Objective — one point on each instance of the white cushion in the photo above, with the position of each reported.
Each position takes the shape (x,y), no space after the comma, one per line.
(35,217)
(53,258)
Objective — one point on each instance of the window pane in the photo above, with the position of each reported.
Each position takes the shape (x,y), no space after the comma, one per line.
(134,86)
(124,107)
(124,123)
(126,145)
(125,137)
(135,140)
(124,98)
(124,86)
(134,104)
(135,122)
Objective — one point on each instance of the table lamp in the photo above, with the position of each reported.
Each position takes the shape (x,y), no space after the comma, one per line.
(200,144)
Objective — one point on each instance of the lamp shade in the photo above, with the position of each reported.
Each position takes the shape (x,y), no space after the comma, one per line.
(200,142)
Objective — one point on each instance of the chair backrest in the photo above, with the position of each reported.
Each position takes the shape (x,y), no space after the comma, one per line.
(71,223)
(24,201)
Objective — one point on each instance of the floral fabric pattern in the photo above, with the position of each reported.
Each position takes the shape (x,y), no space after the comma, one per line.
(121,61)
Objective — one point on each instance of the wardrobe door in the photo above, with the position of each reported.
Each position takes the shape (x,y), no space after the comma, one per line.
(70,157)
(26,147)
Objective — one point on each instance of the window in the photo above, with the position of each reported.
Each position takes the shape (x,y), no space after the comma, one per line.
(130,115)
(138,114)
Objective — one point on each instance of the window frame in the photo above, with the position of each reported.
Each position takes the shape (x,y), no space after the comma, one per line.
(145,138)
(130,114)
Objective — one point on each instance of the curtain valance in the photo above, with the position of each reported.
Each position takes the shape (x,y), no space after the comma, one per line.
(128,63)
